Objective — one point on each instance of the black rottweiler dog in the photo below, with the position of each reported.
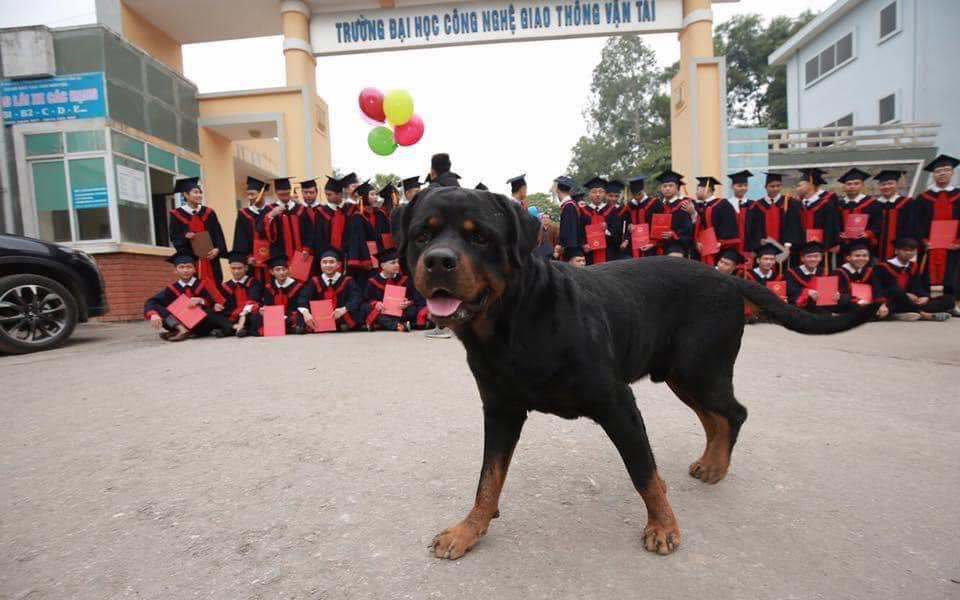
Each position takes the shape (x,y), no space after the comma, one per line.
(541,335)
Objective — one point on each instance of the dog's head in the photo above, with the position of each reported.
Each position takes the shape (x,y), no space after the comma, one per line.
(462,248)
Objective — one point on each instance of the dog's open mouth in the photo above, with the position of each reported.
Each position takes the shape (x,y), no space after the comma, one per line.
(446,308)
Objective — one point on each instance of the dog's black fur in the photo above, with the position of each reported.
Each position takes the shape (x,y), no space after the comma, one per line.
(541,335)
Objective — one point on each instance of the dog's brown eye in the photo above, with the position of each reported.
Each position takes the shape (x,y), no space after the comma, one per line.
(478,238)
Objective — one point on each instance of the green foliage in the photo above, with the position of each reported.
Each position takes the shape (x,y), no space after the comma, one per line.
(381,180)
(545,204)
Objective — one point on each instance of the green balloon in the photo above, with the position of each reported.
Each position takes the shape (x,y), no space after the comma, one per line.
(381,141)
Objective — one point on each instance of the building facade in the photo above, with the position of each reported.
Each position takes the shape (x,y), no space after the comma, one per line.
(876,62)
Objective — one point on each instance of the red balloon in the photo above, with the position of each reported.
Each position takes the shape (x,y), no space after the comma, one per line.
(371,103)
(410,132)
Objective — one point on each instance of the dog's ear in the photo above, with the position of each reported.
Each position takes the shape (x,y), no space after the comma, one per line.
(522,229)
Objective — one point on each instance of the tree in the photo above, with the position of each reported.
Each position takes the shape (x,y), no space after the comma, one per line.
(756,90)
(544,203)
(380,181)
(628,116)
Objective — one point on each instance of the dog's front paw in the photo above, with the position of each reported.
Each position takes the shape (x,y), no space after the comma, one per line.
(455,541)
(662,538)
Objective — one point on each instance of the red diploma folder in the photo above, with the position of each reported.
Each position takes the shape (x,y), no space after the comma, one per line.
(640,238)
(855,226)
(387,240)
(779,288)
(322,313)
(862,291)
(815,235)
(943,233)
(708,239)
(393,296)
(597,236)
(261,252)
(662,222)
(826,287)
(372,250)
(186,314)
(273,320)
(300,265)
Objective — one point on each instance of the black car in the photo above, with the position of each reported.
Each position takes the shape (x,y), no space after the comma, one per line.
(45,290)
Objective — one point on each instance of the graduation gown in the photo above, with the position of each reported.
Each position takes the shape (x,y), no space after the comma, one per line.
(247,233)
(799,284)
(289,232)
(865,276)
(607,215)
(638,213)
(896,280)
(722,217)
(941,264)
(416,313)
(344,292)
(332,226)
(681,224)
(821,214)
(873,209)
(197,288)
(318,228)
(895,222)
(285,296)
(241,295)
(571,234)
(756,276)
(765,220)
(182,222)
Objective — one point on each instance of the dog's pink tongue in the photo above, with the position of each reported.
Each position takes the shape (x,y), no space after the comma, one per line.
(443,307)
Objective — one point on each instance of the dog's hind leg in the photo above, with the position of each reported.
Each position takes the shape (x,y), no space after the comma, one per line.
(501,430)
(721,416)
(623,423)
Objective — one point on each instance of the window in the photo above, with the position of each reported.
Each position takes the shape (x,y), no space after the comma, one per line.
(41,144)
(888,109)
(830,59)
(888,21)
(88,192)
(133,207)
(50,195)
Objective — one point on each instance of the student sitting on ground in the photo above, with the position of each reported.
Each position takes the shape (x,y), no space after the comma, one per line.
(801,290)
(729,261)
(414,309)
(281,290)
(244,294)
(907,289)
(201,293)
(857,270)
(768,268)
(332,284)
(575,257)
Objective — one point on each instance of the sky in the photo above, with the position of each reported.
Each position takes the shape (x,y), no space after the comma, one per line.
(498,110)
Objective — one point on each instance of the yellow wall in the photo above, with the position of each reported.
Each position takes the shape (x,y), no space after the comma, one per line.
(142,33)
(219,180)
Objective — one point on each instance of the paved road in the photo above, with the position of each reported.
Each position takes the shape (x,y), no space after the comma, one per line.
(316,468)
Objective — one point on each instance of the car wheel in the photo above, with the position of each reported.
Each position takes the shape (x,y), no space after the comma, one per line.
(36,313)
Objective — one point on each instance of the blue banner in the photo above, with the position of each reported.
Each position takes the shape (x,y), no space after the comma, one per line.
(60,98)
(90,197)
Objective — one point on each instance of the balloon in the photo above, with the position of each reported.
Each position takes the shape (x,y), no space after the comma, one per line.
(380,139)
(371,103)
(533,210)
(398,107)
(410,132)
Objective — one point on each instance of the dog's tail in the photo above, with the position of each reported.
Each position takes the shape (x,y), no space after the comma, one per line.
(799,320)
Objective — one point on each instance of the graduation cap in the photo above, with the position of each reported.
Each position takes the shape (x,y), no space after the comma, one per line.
(282,184)
(855,245)
(596,182)
(411,183)
(733,256)
(183,186)
(813,175)
(308,184)
(255,185)
(363,189)
(572,252)
(614,187)
(333,184)
(180,259)
(388,191)
(740,177)
(636,183)
(332,253)
(943,160)
(707,182)
(889,175)
(811,248)
(517,182)
(578,196)
(769,249)
(482,187)
(771,177)
(387,255)
(906,243)
(237,257)
(669,176)
(564,183)
(853,174)
(349,179)
(278,260)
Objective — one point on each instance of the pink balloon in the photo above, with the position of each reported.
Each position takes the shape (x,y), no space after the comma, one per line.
(371,103)
(410,132)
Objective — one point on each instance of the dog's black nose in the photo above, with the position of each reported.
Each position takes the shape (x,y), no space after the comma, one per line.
(438,260)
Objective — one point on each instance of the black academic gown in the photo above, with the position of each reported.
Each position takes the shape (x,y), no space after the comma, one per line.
(246,235)
(821,214)
(344,293)
(721,216)
(183,222)
(897,280)
(765,220)
(289,232)
(570,235)
(415,314)
(639,213)
(681,224)
(241,294)
(609,215)
(207,290)
(867,206)
(942,265)
(896,221)
(285,296)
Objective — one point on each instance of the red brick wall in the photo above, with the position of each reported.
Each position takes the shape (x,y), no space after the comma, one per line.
(130,280)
